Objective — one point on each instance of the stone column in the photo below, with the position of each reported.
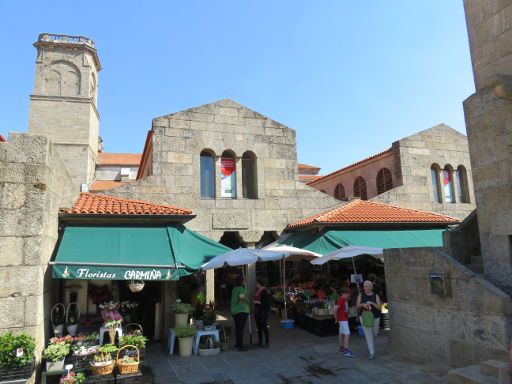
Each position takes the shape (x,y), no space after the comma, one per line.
(210,285)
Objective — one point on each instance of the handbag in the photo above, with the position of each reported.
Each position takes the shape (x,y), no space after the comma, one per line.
(368,319)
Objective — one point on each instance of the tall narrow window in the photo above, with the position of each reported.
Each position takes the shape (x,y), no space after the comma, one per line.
(228,175)
(249,176)
(384,181)
(207,175)
(339,192)
(448,186)
(436,188)
(462,181)
(360,188)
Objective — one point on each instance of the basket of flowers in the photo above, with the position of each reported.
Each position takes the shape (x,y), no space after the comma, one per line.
(128,364)
(72,378)
(102,364)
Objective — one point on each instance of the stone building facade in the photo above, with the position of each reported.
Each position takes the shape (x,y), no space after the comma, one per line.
(34,184)
(171,171)
(488,119)
(63,106)
(429,170)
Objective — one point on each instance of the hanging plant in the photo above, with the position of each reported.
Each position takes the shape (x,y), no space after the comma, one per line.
(136,286)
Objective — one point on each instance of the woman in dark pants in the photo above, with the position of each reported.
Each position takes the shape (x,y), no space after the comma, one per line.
(261,311)
(240,311)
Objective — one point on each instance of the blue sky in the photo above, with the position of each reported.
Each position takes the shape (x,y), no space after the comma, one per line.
(350,77)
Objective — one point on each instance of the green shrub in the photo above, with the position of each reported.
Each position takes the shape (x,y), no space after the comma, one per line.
(56,352)
(186,331)
(107,348)
(138,341)
(9,346)
(183,308)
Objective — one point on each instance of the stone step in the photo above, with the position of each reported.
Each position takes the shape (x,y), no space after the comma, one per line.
(470,375)
(491,367)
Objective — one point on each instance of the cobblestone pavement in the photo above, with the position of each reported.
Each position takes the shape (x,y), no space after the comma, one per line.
(295,356)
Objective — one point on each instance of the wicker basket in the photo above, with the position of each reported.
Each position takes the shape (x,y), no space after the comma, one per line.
(132,328)
(126,368)
(210,351)
(103,369)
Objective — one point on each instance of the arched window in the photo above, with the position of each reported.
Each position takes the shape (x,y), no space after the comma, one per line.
(384,180)
(360,188)
(339,192)
(436,188)
(249,176)
(228,175)
(448,185)
(462,181)
(53,83)
(207,175)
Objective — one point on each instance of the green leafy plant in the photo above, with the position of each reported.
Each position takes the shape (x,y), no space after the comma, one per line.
(93,337)
(183,308)
(16,350)
(112,324)
(128,360)
(187,331)
(107,348)
(72,318)
(56,352)
(73,378)
(101,359)
(138,341)
(210,315)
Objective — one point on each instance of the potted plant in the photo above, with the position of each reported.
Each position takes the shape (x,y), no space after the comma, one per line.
(58,317)
(54,355)
(102,364)
(186,338)
(72,317)
(72,378)
(111,326)
(16,356)
(224,335)
(136,340)
(208,347)
(181,313)
(209,317)
(136,285)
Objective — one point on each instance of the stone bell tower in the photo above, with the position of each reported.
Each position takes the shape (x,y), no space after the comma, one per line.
(63,106)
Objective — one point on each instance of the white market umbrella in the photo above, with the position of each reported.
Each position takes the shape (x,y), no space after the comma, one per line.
(241,257)
(349,251)
(290,253)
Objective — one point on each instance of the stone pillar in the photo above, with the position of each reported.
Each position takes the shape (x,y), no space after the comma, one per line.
(210,285)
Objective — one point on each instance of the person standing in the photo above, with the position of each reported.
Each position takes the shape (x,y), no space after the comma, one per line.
(261,311)
(368,304)
(240,311)
(341,317)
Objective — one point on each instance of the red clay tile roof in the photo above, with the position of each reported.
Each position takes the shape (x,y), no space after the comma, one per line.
(104,185)
(2,138)
(91,204)
(309,178)
(361,211)
(352,165)
(305,166)
(109,158)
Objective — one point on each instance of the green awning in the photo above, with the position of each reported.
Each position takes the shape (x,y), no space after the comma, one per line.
(132,253)
(330,240)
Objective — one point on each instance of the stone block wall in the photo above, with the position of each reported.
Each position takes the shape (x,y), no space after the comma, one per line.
(178,140)
(440,145)
(472,323)
(33,186)
(489,126)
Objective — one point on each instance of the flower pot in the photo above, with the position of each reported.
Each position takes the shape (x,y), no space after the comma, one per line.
(72,329)
(136,287)
(58,329)
(55,365)
(186,346)
(180,319)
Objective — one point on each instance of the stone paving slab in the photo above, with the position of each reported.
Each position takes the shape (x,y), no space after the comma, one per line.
(295,356)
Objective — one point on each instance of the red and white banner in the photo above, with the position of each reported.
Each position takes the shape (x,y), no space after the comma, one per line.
(227,177)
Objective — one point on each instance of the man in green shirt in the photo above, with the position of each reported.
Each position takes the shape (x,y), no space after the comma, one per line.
(240,311)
